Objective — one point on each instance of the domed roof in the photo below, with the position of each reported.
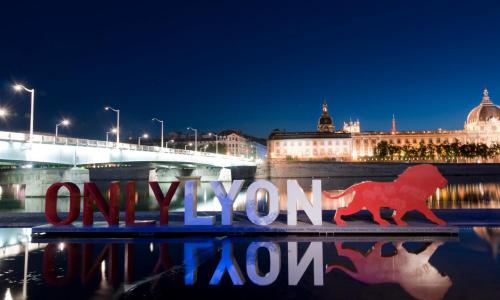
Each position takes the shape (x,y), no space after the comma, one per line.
(485,111)
(325,122)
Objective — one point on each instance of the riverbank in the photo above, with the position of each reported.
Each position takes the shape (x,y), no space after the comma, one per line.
(327,169)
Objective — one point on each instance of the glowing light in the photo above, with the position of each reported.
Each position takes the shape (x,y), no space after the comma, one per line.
(145,135)
(8,295)
(103,268)
(18,87)
(151,247)
(3,112)
(65,122)
(61,246)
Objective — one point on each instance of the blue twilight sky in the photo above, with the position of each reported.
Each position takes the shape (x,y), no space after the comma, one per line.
(248,65)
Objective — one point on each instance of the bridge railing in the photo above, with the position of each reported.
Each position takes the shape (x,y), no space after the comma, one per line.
(50,139)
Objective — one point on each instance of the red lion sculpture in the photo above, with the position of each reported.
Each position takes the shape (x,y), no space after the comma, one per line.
(409,191)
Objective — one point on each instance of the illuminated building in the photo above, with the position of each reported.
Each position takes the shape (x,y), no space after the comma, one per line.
(322,144)
(482,126)
(239,144)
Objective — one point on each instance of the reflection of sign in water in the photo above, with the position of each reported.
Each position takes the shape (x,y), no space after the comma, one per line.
(412,271)
(490,235)
(408,192)
(194,253)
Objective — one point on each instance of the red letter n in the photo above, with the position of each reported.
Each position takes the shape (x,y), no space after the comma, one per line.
(92,195)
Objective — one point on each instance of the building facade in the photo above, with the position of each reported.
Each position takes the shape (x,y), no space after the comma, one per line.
(325,143)
(482,126)
(238,144)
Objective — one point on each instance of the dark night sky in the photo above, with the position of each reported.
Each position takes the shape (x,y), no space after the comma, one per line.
(248,65)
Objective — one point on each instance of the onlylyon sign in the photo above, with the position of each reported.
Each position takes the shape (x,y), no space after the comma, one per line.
(93,197)
(408,192)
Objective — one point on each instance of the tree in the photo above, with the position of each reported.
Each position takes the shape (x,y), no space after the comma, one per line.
(393,150)
(482,151)
(431,151)
(421,151)
(382,150)
(407,151)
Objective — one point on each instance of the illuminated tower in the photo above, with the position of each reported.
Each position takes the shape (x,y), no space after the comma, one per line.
(393,129)
(325,122)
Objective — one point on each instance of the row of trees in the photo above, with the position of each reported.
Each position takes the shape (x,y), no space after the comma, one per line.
(451,152)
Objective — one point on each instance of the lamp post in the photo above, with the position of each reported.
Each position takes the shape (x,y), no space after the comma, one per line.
(216,142)
(107,135)
(195,137)
(64,122)
(190,144)
(19,87)
(161,122)
(144,136)
(171,141)
(117,124)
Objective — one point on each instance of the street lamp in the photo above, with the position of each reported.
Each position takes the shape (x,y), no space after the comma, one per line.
(107,135)
(64,122)
(195,137)
(19,87)
(144,136)
(171,141)
(3,112)
(161,122)
(190,144)
(117,124)
(216,142)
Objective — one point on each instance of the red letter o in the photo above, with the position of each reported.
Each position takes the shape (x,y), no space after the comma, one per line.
(51,203)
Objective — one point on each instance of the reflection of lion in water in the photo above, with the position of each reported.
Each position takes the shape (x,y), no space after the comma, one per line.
(409,191)
(412,271)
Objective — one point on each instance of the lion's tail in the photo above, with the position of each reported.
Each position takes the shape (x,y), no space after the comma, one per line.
(329,196)
(331,267)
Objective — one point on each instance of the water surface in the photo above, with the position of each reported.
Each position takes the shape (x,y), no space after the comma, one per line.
(464,267)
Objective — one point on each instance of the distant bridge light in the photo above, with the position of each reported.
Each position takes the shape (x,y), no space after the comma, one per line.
(19,87)
(117,111)
(64,122)
(144,136)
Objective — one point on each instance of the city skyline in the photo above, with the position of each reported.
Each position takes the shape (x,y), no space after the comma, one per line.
(217,66)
